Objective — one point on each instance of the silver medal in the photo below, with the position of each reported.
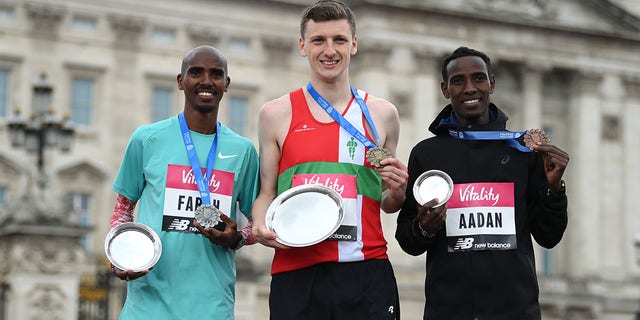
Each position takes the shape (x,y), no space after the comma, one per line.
(208,215)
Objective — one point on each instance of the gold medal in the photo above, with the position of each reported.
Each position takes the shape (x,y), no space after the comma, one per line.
(534,136)
(377,154)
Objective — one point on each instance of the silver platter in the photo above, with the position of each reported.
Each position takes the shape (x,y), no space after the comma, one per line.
(433,184)
(133,246)
(305,215)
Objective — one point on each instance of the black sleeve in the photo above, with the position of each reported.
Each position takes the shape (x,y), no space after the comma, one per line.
(547,215)
(408,234)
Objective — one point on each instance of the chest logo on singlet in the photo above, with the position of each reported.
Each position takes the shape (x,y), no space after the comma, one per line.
(352,144)
(303,127)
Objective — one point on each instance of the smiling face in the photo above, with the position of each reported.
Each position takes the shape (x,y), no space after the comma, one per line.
(203,79)
(468,87)
(328,46)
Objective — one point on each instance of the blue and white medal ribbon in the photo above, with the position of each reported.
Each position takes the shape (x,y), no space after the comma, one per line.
(202,181)
(509,136)
(344,123)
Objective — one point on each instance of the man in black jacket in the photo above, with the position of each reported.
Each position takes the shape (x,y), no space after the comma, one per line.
(480,260)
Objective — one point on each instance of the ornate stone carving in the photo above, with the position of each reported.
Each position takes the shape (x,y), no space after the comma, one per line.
(426,60)
(278,50)
(41,254)
(372,55)
(203,35)
(127,30)
(45,19)
(538,9)
(47,302)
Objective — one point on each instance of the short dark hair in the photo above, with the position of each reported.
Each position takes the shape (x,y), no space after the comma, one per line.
(327,10)
(464,52)
(186,60)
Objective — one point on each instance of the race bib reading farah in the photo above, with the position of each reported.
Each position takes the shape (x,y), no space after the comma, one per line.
(181,196)
(481,216)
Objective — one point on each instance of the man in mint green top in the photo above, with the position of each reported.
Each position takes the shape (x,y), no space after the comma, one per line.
(195,275)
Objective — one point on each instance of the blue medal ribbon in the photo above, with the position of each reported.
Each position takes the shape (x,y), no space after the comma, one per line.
(202,181)
(344,123)
(509,136)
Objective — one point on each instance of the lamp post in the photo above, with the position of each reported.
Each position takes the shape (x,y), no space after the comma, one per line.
(636,244)
(43,129)
(40,225)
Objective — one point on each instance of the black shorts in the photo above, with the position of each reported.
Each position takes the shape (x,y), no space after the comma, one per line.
(364,290)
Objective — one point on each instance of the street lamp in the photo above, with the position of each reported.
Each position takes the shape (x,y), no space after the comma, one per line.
(43,129)
(637,246)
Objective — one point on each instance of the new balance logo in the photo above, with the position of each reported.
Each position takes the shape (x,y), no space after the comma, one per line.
(179,224)
(463,243)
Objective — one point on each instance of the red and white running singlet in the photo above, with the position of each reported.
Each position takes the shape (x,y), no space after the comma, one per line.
(316,152)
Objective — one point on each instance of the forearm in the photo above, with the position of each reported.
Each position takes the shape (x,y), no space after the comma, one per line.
(259,210)
(122,212)
(392,201)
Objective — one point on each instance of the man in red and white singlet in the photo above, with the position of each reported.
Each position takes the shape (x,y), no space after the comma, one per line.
(347,276)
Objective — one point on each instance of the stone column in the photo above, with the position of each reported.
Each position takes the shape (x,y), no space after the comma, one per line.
(631,173)
(426,93)
(370,67)
(127,33)
(583,235)
(41,268)
(532,96)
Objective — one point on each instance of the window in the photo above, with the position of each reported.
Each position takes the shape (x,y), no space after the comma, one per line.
(81,204)
(82,97)
(83,24)
(547,262)
(5,78)
(3,196)
(6,13)
(163,35)
(161,103)
(238,106)
(239,44)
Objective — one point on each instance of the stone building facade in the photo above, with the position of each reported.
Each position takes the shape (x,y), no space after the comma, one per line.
(571,67)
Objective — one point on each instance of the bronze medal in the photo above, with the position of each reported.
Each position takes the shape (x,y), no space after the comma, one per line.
(377,154)
(534,136)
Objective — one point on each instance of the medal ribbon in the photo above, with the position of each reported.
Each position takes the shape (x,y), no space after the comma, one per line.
(509,136)
(202,181)
(344,123)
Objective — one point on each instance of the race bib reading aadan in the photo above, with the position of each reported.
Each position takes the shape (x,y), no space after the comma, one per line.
(481,216)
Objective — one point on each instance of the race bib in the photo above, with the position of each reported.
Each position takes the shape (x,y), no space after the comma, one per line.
(181,197)
(481,216)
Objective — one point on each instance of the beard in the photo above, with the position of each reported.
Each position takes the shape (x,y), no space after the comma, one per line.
(205,108)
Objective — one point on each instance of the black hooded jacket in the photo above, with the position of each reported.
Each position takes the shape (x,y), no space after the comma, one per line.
(489,284)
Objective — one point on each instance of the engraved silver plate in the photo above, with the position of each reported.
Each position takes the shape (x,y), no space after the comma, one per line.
(132,246)
(305,215)
(207,215)
(433,184)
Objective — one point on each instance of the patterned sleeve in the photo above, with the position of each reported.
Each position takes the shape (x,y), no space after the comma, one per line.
(122,212)
(247,232)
